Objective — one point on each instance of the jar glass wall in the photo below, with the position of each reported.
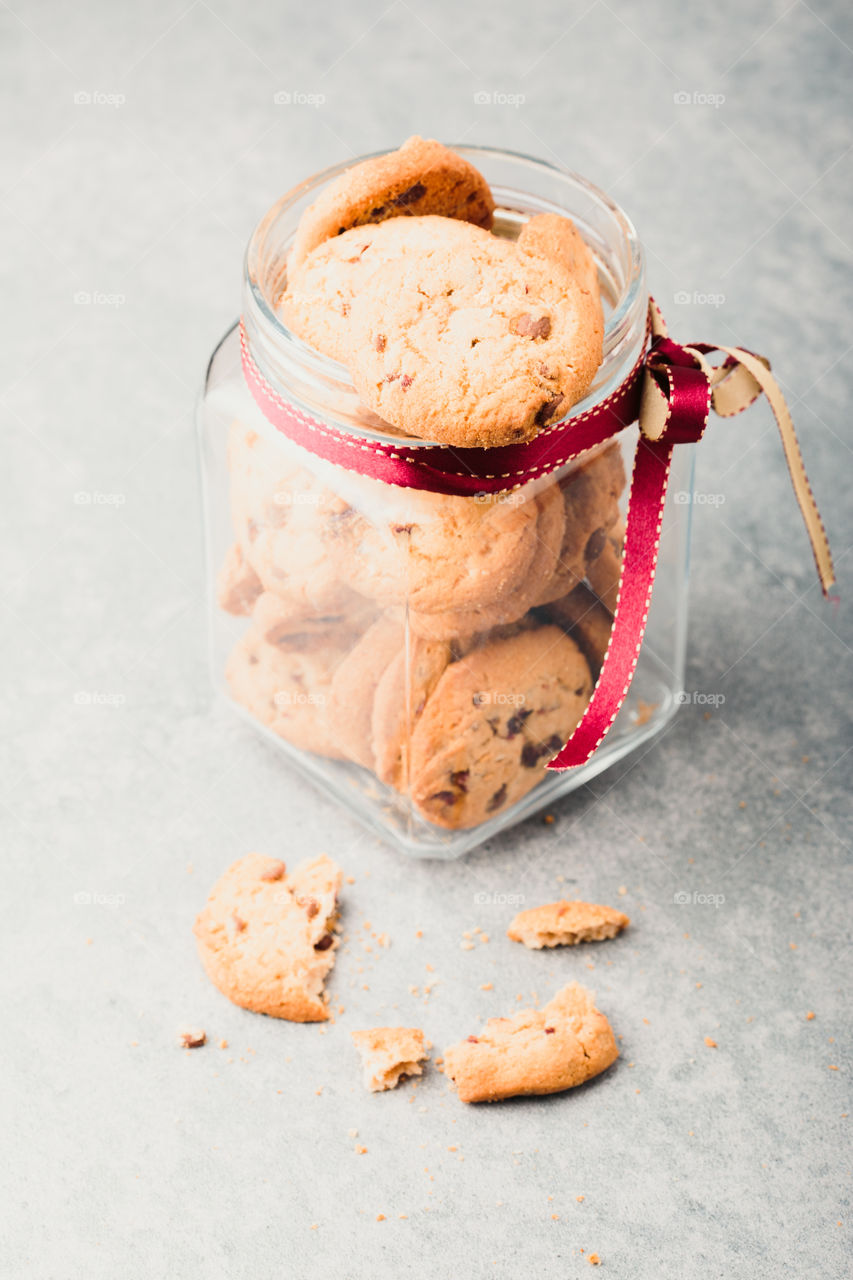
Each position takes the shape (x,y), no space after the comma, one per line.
(422,657)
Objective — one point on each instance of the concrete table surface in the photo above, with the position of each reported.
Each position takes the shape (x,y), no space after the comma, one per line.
(142,144)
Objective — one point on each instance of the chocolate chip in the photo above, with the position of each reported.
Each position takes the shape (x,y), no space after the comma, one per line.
(402,528)
(497,799)
(378,211)
(410,196)
(473,1040)
(460,779)
(275,872)
(529,755)
(516,723)
(549,409)
(444,797)
(380,342)
(527,326)
(405,382)
(324,943)
(549,1031)
(595,545)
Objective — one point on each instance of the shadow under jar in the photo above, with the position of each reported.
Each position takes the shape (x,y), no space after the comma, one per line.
(422,657)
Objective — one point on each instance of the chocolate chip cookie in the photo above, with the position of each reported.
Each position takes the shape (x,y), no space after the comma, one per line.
(421,177)
(474,348)
(493,721)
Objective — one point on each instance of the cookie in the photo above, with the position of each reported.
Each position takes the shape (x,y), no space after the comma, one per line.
(493,721)
(401,695)
(237,584)
(604,572)
(317,303)
(591,494)
(421,177)
(287,622)
(354,687)
(502,608)
(389,1055)
(287,691)
(476,346)
(450,552)
(564,924)
(266,938)
(582,615)
(537,1051)
(552,236)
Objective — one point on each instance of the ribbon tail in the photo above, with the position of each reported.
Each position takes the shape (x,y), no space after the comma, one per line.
(727,404)
(649,481)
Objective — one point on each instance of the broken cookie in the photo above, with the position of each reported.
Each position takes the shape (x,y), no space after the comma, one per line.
(564,924)
(389,1055)
(266,938)
(537,1051)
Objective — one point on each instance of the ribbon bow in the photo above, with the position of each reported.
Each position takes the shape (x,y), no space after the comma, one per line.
(679,388)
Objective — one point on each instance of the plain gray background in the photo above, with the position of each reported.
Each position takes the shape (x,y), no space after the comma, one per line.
(142,145)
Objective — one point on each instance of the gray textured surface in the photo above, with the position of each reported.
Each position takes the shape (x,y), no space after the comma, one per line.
(125,1156)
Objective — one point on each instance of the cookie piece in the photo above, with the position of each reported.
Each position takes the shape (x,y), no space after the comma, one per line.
(492,723)
(317,303)
(237,584)
(552,236)
(389,1055)
(421,177)
(266,938)
(582,615)
(591,494)
(565,924)
(476,347)
(537,1051)
(605,572)
(354,687)
(287,691)
(448,553)
(506,607)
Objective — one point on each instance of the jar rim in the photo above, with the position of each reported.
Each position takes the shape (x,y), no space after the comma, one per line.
(620,322)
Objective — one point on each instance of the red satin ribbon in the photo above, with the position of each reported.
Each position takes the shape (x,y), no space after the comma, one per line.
(671,390)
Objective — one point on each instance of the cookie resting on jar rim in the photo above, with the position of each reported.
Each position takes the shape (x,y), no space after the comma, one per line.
(447,456)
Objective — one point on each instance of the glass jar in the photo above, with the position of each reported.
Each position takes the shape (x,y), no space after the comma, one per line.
(423,657)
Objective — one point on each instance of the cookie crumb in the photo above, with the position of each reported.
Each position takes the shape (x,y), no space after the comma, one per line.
(579,1199)
(361,1151)
(380,1217)
(192,1039)
(622,890)
(489,986)
(712,1044)
(594,1260)
(549,819)
(833,1067)
(810,1016)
